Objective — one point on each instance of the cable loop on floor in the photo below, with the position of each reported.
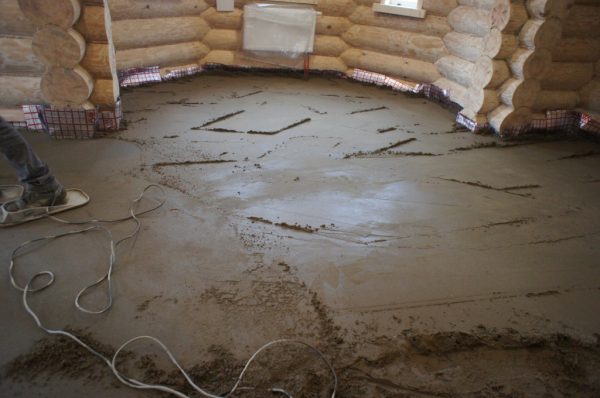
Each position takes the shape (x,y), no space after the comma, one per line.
(111,362)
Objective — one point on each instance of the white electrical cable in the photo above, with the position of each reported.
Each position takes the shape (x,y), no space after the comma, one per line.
(111,363)
(113,245)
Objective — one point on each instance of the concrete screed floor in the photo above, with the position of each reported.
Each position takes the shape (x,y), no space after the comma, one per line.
(450,264)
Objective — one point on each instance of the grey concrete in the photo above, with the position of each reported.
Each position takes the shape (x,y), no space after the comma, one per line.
(401,242)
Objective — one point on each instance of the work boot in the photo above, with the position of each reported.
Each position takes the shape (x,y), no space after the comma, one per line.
(32,199)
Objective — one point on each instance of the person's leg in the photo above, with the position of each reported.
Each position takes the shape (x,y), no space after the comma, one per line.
(41,188)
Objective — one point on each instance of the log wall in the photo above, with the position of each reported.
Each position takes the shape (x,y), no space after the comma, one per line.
(349,35)
(573,78)
(553,59)
(58,53)
(503,61)
(20,70)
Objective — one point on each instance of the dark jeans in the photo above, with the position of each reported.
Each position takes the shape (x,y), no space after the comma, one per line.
(31,170)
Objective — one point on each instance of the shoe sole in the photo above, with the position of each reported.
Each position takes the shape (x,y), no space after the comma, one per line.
(75,198)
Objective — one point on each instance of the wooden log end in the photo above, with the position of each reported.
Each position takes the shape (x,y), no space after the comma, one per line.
(67,87)
(58,47)
(63,13)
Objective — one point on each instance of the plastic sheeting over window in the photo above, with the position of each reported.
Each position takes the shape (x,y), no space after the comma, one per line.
(283,29)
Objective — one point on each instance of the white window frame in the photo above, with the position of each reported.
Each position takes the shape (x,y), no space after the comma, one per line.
(407,8)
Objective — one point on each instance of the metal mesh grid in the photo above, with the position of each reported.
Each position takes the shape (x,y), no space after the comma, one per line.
(472,125)
(109,120)
(138,76)
(70,123)
(183,72)
(590,125)
(560,120)
(34,119)
(379,79)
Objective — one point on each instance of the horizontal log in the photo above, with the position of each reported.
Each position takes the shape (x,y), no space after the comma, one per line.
(106,92)
(223,39)
(542,9)
(490,73)
(56,46)
(334,26)
(223,20)
(590,96)
(406,44)
(431,25)
(508,16)
(470,20)
(17,57)
(518,93)
(527,64)
(583,21)
(329,46)
(555,100)
(100,61)
(455,91)
(576,50)
(464,45)
(12,21)
(567,76)
(323,63)
(67,87)
(337,8)
(136,9)
(91,24)
(497,45)
(439,7)
(505,118)
(404,68)
(20,90)
(456,69)
(538,34)
(483,4)
(227,57)
(169,55)
(481,101)
(221,57)
(138,33)
(62,13)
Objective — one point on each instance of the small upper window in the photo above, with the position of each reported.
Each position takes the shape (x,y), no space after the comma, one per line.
(409,8)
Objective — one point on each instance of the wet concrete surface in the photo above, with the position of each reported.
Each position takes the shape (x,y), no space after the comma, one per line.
(422,259)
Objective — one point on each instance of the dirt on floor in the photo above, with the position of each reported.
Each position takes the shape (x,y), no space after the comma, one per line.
(422,260)
(484,363)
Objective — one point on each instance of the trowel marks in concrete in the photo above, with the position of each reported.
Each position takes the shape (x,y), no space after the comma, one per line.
(247,95)
(503,189)
(581,155)
(288,127)
(368,110)
(380,150)
(401,283)
(224,130)
(295,227)
(218,119)
(156,166)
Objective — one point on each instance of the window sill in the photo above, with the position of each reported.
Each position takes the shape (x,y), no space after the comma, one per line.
(405,11)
